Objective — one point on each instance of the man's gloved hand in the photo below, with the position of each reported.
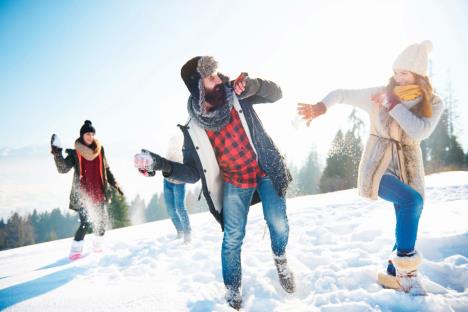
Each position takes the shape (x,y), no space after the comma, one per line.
(245,87)
(148,163)
(144,163)
(55,147)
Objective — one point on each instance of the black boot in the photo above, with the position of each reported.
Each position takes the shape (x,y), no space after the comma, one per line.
(286,277)
(234,298)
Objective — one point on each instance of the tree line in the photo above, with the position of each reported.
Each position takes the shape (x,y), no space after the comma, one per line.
(34,228)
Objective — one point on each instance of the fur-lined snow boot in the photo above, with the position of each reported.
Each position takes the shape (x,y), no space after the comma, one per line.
(406,275)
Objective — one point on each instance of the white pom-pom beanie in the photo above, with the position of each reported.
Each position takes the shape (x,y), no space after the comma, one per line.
(414,58)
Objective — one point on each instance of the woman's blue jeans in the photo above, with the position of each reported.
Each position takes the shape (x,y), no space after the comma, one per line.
(408,205)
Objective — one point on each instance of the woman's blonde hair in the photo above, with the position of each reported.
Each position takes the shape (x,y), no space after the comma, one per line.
(424,109)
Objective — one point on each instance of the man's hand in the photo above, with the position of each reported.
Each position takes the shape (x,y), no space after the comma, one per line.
(144,163)
(147,163)
(308,112)
(239,83)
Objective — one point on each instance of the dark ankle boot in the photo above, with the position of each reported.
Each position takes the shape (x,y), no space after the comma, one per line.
(234,298)
(286,277)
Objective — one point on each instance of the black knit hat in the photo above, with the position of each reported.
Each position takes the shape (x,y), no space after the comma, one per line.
(194,70)
(87,127)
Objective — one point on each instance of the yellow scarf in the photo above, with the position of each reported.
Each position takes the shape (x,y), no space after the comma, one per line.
(412,92)
(408,93)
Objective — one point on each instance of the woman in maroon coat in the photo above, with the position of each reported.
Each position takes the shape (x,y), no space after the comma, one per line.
(90,193)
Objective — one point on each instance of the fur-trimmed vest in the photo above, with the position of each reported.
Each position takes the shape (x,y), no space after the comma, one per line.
(386,140)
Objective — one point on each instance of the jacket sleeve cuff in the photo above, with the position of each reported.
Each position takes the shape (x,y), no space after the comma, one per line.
(329,100)
(167,170)
(252,87)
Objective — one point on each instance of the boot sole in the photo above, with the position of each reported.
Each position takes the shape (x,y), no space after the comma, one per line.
(390,282)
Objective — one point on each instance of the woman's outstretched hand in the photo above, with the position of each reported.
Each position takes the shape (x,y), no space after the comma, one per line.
(310,111)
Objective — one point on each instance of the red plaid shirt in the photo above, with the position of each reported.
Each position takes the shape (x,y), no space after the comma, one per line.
(236,157)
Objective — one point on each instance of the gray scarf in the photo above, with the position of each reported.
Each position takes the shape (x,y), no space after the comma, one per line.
(215,120)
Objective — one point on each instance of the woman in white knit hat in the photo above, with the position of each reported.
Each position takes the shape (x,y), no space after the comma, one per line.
(402,114)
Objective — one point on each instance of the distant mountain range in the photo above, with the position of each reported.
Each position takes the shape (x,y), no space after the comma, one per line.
(27,151)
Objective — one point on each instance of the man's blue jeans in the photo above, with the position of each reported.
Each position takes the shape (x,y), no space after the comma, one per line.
(174,198)
(408,205)
(236,202)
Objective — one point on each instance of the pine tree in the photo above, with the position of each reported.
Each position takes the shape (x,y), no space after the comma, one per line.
(342,165)
(35,221)
(150,211)
(438,145)
(293,188)
(118,211)
(442,151)
(19,232)
(353,151)
(456,155)
(309,176)
(27,233)
(2,234)
(59,225)
(52,236)
(353,147)
(156,209)
(162,212)
(13,231)
(333,175)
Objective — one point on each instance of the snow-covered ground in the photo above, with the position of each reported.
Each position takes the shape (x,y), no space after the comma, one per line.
(338,243)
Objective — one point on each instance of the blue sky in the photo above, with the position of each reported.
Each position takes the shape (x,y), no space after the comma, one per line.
(117,63)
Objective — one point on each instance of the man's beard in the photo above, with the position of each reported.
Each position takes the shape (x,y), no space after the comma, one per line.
(215,98)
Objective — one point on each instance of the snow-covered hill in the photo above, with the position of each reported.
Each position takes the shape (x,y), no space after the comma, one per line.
(338,242)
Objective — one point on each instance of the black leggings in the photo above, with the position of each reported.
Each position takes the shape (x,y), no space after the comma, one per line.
(98,222)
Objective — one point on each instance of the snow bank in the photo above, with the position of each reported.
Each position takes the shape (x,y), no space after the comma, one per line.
(337,245)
